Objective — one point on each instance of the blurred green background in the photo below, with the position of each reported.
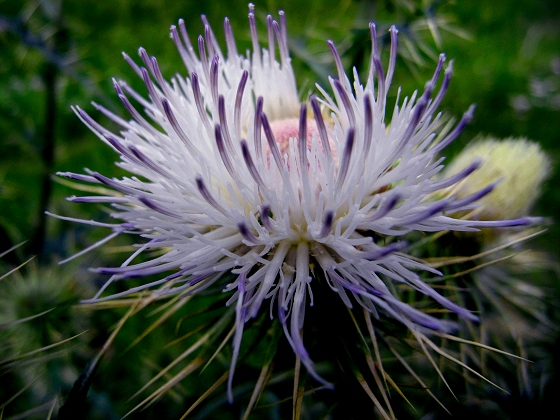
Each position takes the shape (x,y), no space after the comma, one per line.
(54,54)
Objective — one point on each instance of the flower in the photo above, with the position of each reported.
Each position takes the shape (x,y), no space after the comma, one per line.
(508,285)
(520,167)
(234,175)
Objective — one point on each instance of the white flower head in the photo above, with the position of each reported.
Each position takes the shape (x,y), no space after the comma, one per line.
(233,174)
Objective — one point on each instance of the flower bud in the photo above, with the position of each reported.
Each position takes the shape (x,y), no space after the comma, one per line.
(519,167)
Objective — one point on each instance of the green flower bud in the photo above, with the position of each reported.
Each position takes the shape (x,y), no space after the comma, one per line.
(520,167)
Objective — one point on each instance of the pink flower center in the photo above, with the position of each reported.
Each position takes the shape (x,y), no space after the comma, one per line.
(286,129)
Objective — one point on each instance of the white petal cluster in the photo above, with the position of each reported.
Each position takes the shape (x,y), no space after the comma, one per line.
(215,190)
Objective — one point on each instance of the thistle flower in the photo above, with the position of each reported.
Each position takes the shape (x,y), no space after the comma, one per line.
(512,301)
(35,343)
(232,174)
(520,167)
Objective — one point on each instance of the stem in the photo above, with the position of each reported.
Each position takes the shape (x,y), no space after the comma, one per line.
(50,76)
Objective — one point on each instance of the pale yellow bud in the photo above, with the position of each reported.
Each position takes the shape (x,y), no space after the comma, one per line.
(520,166)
